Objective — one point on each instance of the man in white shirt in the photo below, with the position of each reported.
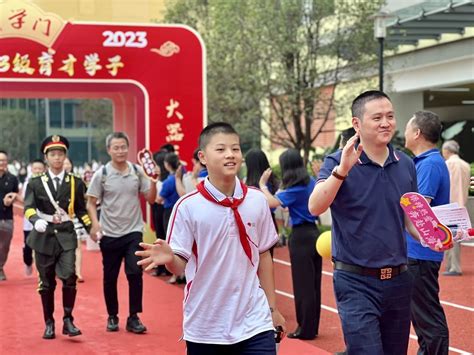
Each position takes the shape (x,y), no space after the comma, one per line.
(459,173)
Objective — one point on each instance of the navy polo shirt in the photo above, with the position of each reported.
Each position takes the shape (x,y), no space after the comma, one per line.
(8,183)
(368,222)
(296,199)
(168,191)
(433,182)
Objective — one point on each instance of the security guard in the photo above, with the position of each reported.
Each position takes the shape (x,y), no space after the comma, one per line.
(51,202)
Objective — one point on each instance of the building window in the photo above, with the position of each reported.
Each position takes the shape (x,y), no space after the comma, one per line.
(55,113)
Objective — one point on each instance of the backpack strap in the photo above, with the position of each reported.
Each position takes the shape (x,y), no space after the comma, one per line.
(134,170)
(137,173)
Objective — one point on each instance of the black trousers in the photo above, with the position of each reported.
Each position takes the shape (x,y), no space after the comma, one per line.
(427,314)
(157,212)
(166,218)
(306,267)
(27,251)
(114,250)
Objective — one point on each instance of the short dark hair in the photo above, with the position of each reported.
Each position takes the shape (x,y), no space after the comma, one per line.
(293,171)
(173,160)
(116,135)
(358,105)
(168,148)
(37,161)
(3,152)
(429,124)
(212,129)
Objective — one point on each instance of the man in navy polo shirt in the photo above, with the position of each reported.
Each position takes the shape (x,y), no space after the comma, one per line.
(363,183)
(422,133)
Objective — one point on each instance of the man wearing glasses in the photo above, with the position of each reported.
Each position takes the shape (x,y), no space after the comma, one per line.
(118,186)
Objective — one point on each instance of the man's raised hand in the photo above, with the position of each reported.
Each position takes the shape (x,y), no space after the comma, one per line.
(350,155)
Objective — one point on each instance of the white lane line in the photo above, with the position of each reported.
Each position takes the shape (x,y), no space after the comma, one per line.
(333,310)
(289,295)
(470,309)
(446,303)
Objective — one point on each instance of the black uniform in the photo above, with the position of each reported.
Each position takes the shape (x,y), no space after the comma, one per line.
(55,248)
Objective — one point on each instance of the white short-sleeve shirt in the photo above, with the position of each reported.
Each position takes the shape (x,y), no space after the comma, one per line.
(223,301)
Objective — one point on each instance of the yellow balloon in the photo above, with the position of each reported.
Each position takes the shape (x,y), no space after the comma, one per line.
(323,244)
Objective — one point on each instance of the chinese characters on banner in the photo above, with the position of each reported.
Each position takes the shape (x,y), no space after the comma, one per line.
(21,64)
(28,21)
(175,131)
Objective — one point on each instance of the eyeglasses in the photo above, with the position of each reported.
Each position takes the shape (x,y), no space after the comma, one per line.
(116,148)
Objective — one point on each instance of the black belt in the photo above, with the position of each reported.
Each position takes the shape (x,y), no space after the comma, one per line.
(385,273)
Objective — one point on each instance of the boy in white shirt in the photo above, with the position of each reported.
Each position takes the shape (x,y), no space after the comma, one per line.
(220,235)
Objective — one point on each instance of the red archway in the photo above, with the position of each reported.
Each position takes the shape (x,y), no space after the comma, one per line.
(154,74)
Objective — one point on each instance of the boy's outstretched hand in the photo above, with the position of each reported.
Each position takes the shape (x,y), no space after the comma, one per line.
(156,254)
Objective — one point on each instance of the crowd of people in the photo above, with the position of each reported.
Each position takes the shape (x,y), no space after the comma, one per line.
(385,278)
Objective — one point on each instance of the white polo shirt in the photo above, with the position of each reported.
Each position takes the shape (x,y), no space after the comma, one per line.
(223,301)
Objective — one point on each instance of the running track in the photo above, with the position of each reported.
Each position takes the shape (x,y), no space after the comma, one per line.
(21,322)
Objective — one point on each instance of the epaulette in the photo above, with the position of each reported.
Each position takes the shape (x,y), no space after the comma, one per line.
(77,176)
(35,176)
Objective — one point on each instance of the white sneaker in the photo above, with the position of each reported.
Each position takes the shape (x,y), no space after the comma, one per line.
(28,270)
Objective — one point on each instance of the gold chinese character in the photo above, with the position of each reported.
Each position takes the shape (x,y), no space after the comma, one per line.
(46,24)
(175,132)
(171,109)
(21,64)
(68,66)
(4,63)
(114,65)
(91,64)
(46,62)
(18,18)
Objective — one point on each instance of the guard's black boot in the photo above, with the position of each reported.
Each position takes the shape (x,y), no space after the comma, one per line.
(47,300)
(69,297)
(49,330)
(69,328)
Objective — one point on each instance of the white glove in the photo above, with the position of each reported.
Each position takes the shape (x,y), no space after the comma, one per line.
(40,225)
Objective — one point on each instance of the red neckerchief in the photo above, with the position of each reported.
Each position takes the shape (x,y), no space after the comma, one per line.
(234,204)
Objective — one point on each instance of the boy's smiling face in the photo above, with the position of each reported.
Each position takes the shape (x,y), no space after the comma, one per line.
(222,155)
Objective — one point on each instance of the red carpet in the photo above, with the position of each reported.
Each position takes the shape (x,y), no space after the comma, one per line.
(21,321)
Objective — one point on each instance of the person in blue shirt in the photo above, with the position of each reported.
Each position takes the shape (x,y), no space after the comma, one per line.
(422,134)
(306,263)
(168,192)
(169,196)
(362,184)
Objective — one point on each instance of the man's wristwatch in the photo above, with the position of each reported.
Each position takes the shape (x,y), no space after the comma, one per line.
(336,175)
